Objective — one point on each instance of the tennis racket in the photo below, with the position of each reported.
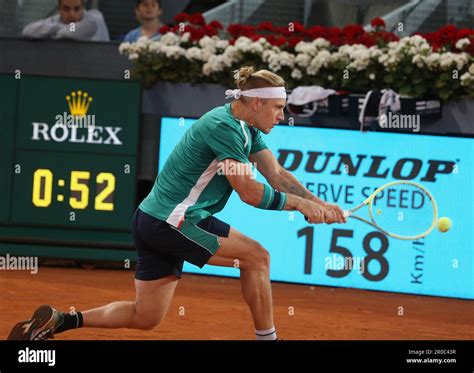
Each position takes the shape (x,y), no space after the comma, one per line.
(399,209)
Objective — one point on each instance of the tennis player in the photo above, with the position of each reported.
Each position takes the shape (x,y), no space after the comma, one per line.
(175,222)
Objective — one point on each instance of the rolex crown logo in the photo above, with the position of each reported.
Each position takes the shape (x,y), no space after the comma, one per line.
(79,103)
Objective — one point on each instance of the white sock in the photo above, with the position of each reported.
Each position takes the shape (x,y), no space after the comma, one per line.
(266,335)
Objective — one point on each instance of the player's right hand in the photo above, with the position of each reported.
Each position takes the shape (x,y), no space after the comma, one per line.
(336,213)
(314,213)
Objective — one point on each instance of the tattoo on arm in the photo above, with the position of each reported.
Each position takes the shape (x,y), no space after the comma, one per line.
(295,189)
(287,183)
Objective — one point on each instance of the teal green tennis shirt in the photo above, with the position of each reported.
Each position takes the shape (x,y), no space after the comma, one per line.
(189,186)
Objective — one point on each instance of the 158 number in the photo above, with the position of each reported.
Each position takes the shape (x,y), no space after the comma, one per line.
(336,248)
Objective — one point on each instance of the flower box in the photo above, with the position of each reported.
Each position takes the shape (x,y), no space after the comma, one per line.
(196,52)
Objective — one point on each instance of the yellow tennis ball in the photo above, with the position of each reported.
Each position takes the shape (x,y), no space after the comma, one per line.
(444,224)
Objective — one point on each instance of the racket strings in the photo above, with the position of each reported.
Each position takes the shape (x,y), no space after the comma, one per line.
(403,209)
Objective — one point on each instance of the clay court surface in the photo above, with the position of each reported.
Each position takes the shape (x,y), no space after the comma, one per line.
(214,308)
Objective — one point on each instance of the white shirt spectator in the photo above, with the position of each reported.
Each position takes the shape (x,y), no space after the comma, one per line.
(91,27)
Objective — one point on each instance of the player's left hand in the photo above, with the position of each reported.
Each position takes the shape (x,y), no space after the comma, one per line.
(334,214)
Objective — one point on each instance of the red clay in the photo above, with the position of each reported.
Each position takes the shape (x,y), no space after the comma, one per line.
(214,308)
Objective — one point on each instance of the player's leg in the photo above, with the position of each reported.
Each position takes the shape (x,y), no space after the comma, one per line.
(155,282)
(156,277)
(238,250)
(146,312)
(216,243)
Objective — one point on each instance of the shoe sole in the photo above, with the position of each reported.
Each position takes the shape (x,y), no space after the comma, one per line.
(41,323)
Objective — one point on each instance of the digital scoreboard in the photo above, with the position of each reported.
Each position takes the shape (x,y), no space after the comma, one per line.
(68,156)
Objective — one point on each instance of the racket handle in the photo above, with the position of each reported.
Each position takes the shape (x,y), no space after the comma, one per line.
(346,213)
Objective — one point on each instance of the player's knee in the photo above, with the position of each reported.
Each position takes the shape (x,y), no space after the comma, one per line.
(264,259)
(147,320)
(148,323)
(260,258)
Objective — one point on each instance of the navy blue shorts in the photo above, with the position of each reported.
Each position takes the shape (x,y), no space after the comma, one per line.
(162,249)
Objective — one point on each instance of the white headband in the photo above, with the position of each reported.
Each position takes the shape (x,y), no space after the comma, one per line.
(267,92)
